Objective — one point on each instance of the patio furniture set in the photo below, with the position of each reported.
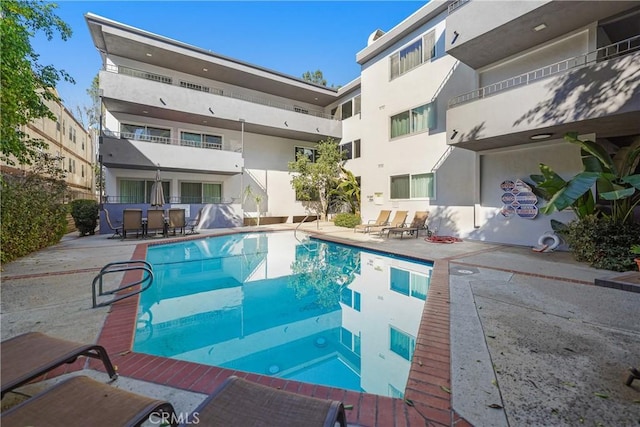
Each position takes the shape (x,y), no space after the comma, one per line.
(156,221)
(397,226)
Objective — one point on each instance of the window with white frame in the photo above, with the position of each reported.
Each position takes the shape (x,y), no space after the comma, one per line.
(138,190)
(357,107)
(412,55)
(416,120)
(401,343)
(200,192)
(417,186)
(201,140)
(409,283)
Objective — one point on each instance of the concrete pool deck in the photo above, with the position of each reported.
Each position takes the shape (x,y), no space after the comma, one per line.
(515,337)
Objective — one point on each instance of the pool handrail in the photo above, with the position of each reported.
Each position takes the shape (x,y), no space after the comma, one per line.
(119,267)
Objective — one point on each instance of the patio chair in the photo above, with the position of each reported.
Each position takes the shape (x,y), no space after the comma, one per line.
(132,220)
(419,223)
(398,221)
(28,356)
(116,229)
(192,224)
(82,401)
(383,219)
(242,403)
(155,222)
(177,220)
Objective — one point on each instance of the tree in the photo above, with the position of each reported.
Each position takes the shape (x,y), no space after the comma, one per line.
(314,77)
(95,110)
(314,181)
(348,190)
(26,84)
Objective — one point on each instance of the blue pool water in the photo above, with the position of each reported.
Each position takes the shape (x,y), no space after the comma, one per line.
(269,303)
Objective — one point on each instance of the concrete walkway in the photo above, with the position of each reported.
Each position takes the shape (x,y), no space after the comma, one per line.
(533,342)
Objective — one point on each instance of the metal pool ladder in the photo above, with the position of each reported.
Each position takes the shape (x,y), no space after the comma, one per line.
(145,282)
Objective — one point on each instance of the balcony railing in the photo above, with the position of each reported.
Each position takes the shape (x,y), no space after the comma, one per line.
(615,50)
(455,5)
(168,141)
(131,200)
(118,69)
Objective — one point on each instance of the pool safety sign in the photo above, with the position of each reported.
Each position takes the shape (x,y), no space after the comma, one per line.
(518,200)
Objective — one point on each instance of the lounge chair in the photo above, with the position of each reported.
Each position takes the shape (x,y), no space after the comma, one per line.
(82,401)
(419,223)
(177,220)
(383,219)
(132,220)
(194,223)
(28,356)
(155,222)
(116,229)
(398,221)
(242,403)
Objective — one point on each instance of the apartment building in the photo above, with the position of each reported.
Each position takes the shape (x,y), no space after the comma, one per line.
(69,144)
(454,107)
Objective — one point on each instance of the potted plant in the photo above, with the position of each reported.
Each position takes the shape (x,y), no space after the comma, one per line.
(635,249)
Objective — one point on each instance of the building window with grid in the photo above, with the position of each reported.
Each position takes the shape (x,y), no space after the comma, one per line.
(310,153)
(416,120)
(197,192)
(416,53)
(418,186)
(350,150)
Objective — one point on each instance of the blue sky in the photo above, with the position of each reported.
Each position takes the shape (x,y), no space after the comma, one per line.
(287,36)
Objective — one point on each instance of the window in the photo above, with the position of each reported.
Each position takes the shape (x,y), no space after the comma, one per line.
(347,110)
(201,140)
(401,343)
(350,298)
(196,192)
(356,148)
(298,109)
(58,124)
(409,57)
(145,133)
(417,186)
(346,150)
(82,169)
(194,86)
(311,153)
(409,283)
(72,166)
(356,105)
(139,191)
(418,119)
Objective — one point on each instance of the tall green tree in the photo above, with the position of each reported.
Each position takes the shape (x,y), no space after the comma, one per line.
(26,84)
(314,77)
(314,181)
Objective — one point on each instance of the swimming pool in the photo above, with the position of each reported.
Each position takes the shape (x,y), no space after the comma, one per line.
(271,304)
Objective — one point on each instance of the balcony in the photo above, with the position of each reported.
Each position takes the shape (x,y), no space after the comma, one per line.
(143,93)
(133,151)
(480,33)
(595,92)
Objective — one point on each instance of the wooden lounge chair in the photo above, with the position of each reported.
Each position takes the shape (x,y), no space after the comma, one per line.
(398,221)
(242,403)
(82,401)
(419,223)
(30,355)
(383,219)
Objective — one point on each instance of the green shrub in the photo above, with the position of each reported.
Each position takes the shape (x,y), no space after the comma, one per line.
(602,242)
(85,215)
(348,220)
(33,214)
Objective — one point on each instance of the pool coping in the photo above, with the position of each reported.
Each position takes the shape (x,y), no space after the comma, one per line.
(427,399)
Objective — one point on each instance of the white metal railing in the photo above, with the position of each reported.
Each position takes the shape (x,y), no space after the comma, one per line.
(455,5)
(166,140)
(602,54)
(118,69)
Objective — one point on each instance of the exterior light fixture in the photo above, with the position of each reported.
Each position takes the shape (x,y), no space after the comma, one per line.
(211,111)
(148,54)
(541,136)
(454,134)
(455,37)
(286,124)
(539,27)
(162,101)
(205,69)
